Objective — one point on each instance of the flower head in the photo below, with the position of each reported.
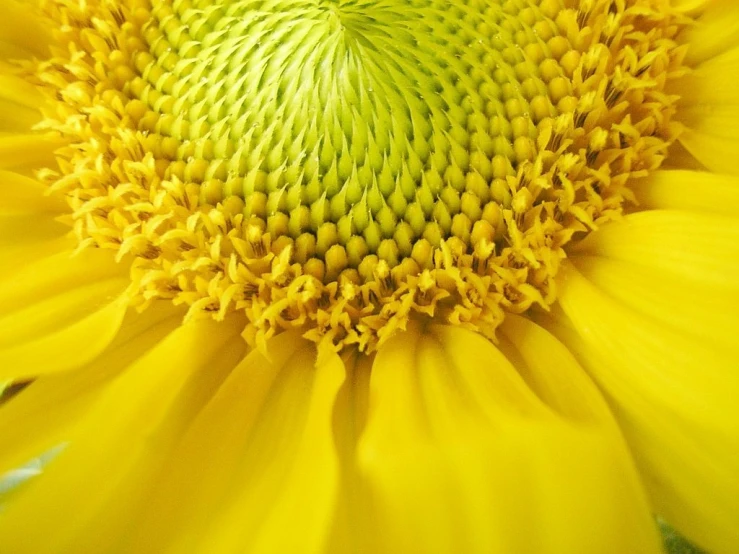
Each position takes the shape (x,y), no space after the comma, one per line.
(398,275)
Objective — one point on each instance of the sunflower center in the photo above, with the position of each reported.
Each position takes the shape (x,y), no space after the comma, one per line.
(353,128)
(339,166)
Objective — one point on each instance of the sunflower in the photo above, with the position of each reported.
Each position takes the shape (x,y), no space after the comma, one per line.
(369,275)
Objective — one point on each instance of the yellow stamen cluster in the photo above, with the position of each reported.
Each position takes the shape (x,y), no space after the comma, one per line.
(340,165)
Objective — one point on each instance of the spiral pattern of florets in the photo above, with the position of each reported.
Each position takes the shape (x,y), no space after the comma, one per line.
(338,166)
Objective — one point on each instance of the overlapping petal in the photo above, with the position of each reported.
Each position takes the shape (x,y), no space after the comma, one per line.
(649,307)
(257,465)
(41,418)
(60,312)
(459,454)
(709,108)
(86,497)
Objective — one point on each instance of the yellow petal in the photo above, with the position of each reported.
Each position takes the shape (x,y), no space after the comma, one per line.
(28,228)
(259,460)
(23,195)
(39,418)
(19,230)
(715,152)
(15,118)
(674,394)
(27,238)
(19,91)
(706,86)
(352,523)
(698,191)
(717,29)
(54,274)
(304,473)
(715,118)
(25,250)
(8,52)
(460,455)
(51,315)
(60,313)
(677,303)
(19,151)
(697,246)
(689,6)
(551,371)
(680,159)
(67,348)
(22,27)
(709,108)
(85,499)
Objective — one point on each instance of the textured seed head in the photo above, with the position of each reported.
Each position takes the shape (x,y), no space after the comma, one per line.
(350,119)
(338,166)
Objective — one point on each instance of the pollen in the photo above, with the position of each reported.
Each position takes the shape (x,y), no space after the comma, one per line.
(341,167)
